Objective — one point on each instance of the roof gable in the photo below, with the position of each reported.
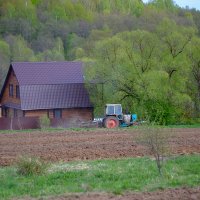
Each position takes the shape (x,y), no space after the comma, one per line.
(48,73)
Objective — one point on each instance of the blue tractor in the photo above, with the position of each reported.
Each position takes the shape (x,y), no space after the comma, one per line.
(115,118)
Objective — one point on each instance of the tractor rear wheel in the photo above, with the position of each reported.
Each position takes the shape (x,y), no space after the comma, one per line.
(111,122)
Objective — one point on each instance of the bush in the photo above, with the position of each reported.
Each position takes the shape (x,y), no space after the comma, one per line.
(28,166)
(156,140)
(160,112)
(44,122)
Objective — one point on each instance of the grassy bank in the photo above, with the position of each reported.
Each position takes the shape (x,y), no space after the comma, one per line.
(117,176)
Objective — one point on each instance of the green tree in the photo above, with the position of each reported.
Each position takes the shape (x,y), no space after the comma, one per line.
(19,49)
(19,18)
(136,67)
(196,18)
(36,2)
(173,60)
(194,82)
(68,10)
(55,54)
(164,4)
(120,64)
(20,9)
(4,60)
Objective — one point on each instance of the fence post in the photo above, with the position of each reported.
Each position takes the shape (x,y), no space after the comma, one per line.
(11,123)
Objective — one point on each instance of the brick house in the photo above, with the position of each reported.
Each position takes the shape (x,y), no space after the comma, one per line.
(54,89)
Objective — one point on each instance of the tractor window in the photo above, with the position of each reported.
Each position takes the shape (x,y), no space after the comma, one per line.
(110,110)
(114,110)
(118,110)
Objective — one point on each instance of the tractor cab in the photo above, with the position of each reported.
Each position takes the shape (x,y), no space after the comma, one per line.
(114,110)
(115,118)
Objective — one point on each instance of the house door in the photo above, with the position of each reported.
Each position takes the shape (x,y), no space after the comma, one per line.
(5,112)
(57,113)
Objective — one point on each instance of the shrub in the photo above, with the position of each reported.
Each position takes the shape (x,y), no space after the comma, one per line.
(156,140)
(28,166)
(44,122)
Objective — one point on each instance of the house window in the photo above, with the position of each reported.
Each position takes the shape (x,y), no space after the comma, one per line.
(11,90)
(57,113)
(4,112)
(17,91)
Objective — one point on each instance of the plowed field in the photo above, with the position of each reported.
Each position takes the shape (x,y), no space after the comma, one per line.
(170,194)
(83,145)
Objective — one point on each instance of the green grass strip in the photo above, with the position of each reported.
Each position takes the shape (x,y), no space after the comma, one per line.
(47,130)
(185,126)
(117,176)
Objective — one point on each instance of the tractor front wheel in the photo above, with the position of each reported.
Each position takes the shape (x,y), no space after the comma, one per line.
(111,122)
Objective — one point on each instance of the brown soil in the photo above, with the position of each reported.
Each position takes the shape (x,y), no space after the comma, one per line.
(169,194)
(176,194)
(83,145)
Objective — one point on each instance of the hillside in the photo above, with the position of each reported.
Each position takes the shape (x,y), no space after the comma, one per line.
(147,55)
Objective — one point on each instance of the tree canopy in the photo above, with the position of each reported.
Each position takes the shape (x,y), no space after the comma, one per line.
(145,56)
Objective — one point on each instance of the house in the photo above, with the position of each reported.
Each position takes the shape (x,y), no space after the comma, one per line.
(53,89)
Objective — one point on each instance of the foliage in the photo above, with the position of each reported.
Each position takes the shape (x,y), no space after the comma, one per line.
(19,49)
(118,176)
(28,166)
(145,54)
(44,122)
(193,52)
(163,4)
(5,55)
(143,77)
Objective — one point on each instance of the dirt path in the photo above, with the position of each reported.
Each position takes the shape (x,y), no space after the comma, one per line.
(83,145)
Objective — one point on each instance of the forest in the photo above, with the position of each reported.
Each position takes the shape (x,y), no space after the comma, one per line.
(144,56)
